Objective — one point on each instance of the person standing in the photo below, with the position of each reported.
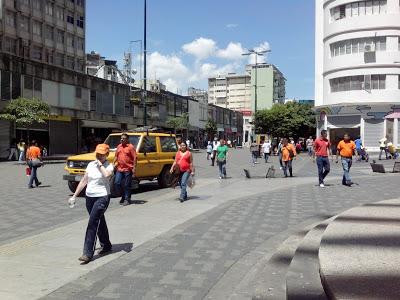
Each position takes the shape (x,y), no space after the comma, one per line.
(34,161)
(383,147)
(209,150)
(359,147)
(346,149)
(222,152)
(214,153)
(266,147)
(125,161)
(288,154)
(21,149)
(321,151)
(310,146)
(13,150)
(97,182)
(184,163)
(279,152)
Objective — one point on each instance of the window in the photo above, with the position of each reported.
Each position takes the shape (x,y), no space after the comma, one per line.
(70,40)
(37,53)
(59,59)
(28,82)
(5,85)
(60,36)
(358,45)
(168,144)
(49,9)
(60,13)
(78,92)
(10,18)
(79,44)
(70,62)
(16,85)
(10,45)
(37,4)
(24,2)
(362,82)
(80,22)
(79,65)
(49,33)
(24,24)
(358,8)
(148,144)
(80,2)
(37,84)
(70,18)
(37,28)
(92,100)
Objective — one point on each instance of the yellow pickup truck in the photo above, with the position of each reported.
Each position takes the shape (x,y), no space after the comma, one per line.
(155,155)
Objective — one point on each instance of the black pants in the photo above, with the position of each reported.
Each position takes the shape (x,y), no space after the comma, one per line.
(96,207)
(213,157)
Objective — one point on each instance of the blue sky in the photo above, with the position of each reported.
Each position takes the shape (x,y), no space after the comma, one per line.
(189,40)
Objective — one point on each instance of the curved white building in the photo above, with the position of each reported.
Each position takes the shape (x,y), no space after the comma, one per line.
(357,69)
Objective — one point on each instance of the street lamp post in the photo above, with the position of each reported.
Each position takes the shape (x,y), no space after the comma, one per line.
(144,95)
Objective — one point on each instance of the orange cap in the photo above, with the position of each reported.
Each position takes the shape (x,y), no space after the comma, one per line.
(102,149)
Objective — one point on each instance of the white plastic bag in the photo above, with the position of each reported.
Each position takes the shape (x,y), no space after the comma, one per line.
(191,182)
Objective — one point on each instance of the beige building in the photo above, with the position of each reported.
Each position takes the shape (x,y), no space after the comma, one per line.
(47,31)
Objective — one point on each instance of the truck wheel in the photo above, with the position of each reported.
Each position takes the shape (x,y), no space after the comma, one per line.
(165,179)
(72,185)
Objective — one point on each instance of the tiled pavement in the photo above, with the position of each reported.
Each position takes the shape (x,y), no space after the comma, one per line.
(188,261)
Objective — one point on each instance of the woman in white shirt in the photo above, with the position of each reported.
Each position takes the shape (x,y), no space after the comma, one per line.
(97,182)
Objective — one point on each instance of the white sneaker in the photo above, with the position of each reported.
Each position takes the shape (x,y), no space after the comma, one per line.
(280,168)
(321,185)
(220,177)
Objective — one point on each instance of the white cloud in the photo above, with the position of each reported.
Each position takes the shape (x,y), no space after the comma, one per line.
(208,70)
(201,48)
(232,25)
(232,52)
(261,58)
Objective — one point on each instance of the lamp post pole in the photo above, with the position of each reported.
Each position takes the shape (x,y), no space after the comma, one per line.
(144,96)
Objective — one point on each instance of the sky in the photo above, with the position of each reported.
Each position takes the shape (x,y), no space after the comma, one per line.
(191,40)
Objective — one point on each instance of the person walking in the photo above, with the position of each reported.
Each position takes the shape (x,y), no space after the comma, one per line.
(321,151)
(13,150)
(97,183)
(288,154)
(215,145)
(222,152)
(21,149)
(184,164)
(209,150)
(266,148)
(359,147)
(310,146)
(383,147)
(279,152)
(346,149)
(34,161)
(125,163)
(254,152)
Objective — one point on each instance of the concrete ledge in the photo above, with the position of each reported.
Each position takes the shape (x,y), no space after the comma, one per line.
(359,253)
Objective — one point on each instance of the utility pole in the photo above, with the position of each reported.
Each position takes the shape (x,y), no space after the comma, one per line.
(144,96)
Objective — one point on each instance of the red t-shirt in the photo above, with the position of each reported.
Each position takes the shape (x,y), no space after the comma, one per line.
(183,160)
(126,158)
(321,147)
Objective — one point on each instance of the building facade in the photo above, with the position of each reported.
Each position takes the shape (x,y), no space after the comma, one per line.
(357,69)
(51,32)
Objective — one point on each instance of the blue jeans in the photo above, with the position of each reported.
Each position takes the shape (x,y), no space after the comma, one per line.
(21,155)
(310,151)
(266,156)
(346,163)
(33,177)
(323,168)
(97,226)
(184,176)
(254,156)
(123,183)
(222,168)
(287,165)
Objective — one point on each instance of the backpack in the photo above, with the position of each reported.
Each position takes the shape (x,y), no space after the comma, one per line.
(291,153)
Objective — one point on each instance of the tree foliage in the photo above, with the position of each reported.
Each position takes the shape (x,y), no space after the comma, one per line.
(286,120)
(178,123)
(25,112)
(211,127)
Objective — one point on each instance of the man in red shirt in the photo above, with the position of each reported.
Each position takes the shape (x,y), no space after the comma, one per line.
(125,161)
(321,151)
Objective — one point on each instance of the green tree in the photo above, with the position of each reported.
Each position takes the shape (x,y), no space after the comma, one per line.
(286,120)
(211,128)
(25,112)
(178,123)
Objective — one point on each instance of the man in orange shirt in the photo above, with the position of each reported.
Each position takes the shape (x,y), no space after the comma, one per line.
(125,158)
(288,154)
(33,160)
(346,149)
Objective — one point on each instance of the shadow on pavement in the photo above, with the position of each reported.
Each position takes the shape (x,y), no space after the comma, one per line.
(125,247)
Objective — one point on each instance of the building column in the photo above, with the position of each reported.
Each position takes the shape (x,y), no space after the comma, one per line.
(326,122)
(395,132)
(362,130)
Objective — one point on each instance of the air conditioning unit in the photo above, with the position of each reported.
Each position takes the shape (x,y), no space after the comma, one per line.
(369,48)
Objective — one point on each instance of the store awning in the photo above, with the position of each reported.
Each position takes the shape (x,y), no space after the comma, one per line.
(395,115)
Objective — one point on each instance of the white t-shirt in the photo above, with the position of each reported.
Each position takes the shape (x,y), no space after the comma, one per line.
(98,185)
(382,142)
(266,147)
(215,145)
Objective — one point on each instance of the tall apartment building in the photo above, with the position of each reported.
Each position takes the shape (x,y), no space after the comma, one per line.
(231,91)
(357,69)
(47,31)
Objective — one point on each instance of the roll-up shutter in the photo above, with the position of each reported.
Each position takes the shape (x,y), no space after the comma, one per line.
(373,132)
(344,121)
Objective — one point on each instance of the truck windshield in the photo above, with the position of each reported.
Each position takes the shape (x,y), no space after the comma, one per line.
(114,140)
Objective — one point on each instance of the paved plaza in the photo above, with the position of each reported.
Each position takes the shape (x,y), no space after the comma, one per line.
(201,249)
